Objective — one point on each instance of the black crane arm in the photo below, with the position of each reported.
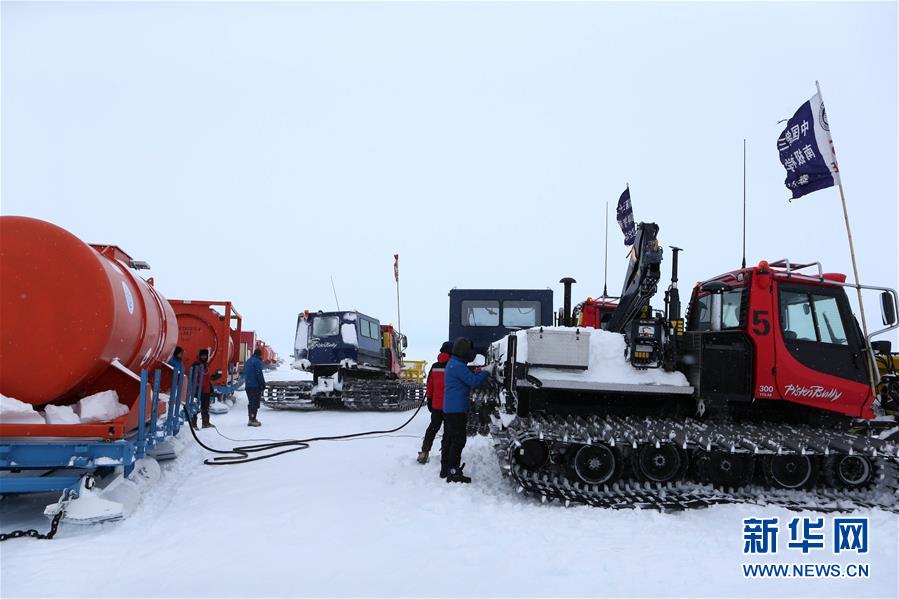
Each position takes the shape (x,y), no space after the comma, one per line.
(641,281)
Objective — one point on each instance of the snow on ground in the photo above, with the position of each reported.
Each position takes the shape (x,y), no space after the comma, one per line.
(362,518)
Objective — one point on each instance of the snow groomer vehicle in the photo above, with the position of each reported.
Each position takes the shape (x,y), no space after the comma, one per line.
(766,392)
(355,363)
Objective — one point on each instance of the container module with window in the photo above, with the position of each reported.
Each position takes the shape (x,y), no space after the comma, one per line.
(486,315)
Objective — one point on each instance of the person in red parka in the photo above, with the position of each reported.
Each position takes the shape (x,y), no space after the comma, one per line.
(434,393)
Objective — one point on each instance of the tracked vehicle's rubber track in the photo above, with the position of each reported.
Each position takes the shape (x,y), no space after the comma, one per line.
(358,394)
(381,395)
(289,395)
(556,480)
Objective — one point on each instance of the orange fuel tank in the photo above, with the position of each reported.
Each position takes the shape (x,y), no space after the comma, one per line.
(214,326)
(74,316)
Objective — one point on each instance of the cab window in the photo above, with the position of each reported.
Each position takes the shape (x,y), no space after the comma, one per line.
(365,328)
(730,309)
(480,313)
(731,303)
(520,313)
(811,317)
(325,326)
(702,320)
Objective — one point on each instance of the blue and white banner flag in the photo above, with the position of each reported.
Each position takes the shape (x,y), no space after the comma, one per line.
(806,150)
(626,217)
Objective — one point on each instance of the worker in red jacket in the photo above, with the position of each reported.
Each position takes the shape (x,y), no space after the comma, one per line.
(434,393)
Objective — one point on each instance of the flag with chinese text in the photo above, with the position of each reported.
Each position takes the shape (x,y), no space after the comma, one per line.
(626,217)
(806,150)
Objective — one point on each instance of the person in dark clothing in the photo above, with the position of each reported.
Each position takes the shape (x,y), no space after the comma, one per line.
(205,392)
(254,383)
(458,383)
(434,393)
(177,360)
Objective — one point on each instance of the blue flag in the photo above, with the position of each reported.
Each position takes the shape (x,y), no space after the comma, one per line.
(806,150)
(626,217)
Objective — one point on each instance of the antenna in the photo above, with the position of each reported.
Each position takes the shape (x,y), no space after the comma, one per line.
(744,203)
(336,301)
(605,274)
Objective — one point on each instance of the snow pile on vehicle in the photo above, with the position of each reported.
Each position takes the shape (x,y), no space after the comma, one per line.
(100,407)
(607,362)
(13,411)
(61,415)
(348,333)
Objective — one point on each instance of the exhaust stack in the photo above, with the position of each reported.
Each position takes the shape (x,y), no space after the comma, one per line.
(566,306)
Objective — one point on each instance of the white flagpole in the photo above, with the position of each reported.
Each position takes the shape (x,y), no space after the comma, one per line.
(605,274)
(858,290)
(396,266)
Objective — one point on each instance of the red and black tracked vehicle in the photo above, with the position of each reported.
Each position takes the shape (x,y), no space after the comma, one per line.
(764,393)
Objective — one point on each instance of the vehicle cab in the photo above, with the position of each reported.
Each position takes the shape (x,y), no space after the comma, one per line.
(772,332)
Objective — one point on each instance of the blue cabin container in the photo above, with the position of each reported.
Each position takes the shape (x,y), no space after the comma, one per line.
(487,315)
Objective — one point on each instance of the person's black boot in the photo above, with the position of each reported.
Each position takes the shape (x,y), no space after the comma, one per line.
(456,475)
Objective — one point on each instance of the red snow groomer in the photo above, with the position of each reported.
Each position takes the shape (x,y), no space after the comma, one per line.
(593,313)
(764,393)
(83,347)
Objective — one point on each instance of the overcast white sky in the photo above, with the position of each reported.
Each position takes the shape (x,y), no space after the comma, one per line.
(251,151)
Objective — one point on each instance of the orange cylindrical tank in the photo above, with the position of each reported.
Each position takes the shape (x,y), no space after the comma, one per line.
(68,311)
(267,352)
(201,326)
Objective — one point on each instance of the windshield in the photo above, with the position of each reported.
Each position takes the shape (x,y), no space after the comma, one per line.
(325,326)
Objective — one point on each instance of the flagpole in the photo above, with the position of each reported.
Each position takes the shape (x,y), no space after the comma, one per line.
(858,290)
(744,202)
(605,274)
(399,326)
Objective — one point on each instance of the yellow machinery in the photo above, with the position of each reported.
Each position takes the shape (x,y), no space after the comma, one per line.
(413,370)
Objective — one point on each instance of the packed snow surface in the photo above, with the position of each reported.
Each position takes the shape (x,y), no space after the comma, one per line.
(13,411)
(608,363)
(362,518)
(100,407)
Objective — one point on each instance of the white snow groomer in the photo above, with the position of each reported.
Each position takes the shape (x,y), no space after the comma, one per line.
(764,394)
(355,363)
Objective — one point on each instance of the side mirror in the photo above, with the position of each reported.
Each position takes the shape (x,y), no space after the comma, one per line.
(882,347)
(887,308)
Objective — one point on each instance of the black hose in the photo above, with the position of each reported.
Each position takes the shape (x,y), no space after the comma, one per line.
(241,454)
